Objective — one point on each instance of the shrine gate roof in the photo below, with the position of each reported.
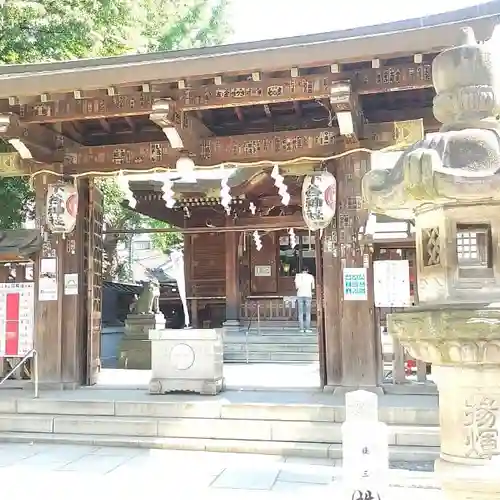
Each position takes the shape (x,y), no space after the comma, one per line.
(419,35)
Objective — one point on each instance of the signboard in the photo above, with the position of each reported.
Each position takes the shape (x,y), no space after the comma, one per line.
(355,286)
(17,319)
(47,283)
(263,271)
(71,284)
(391,283)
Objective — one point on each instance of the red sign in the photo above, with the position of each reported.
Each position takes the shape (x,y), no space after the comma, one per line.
(16,319)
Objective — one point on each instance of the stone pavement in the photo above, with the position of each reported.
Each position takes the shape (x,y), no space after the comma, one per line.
(67,471)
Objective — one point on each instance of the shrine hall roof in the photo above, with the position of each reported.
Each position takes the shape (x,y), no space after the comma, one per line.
(419,35)
(19,244)
(208,180)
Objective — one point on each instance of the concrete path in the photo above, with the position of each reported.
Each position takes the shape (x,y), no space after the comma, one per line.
(106,473)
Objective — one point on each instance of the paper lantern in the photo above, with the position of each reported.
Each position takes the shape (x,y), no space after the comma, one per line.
(61,207)
(319,195)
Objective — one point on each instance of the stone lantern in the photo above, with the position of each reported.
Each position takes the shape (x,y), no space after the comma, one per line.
(449,183)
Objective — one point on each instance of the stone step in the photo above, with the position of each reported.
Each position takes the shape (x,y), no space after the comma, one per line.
(203,428)
(211,424)
(271,339)
(271,357)
(277,331)
(268,347)
(87,404)
(283,448)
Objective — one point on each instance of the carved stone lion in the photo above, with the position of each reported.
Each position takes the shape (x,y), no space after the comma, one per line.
(149,299)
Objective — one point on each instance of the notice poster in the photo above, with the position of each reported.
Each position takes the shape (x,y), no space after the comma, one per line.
(47,284)
(17,318)
(355,286)
(71,284)
(391,283)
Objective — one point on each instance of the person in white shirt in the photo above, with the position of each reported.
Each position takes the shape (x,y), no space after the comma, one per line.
(304,283)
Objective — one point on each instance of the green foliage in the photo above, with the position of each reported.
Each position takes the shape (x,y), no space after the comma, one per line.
(118,216)
(17,202)
(115,214)
(165,242)
(57,30)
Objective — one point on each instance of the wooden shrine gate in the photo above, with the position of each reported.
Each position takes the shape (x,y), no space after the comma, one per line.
(92,278)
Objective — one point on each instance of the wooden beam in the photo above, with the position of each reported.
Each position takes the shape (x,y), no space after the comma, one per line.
(402,134)
(272,147)
(88,108)
(385,115)
(138,156)
(271,222)
(32,141)
(255,223)
(307,87)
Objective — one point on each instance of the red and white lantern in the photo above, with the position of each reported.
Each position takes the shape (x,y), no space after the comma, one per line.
(61,207)
(319,197)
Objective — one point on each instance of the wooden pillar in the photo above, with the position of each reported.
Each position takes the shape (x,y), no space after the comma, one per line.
(232,278)
(350,330)
(58,326)
(320,317)
(192,304)
(331,307)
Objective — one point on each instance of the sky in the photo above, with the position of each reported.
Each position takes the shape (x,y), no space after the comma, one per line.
(265,19)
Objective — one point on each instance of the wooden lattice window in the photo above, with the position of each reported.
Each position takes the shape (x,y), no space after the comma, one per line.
(474,250)
(431,247)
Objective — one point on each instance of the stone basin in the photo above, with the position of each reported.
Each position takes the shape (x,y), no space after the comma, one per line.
(450,334)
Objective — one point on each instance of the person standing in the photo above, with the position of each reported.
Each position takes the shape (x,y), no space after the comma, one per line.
(304,284)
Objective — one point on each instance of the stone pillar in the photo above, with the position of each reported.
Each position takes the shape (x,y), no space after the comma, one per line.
(450,184)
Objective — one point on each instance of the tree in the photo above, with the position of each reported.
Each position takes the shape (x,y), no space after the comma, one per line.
(56,30)
(165,242)
(118,216)
(17,202)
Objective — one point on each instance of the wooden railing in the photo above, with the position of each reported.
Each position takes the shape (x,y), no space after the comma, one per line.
(271,308)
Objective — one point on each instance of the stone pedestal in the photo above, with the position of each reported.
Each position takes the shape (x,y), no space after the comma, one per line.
(450,184)
(189,360)
(463,345)
(135,347)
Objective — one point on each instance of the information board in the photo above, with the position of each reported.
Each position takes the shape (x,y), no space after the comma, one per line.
(391,283)
(355,287)
(17,318)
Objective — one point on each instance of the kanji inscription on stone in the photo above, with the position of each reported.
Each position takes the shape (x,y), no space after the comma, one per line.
(481,431)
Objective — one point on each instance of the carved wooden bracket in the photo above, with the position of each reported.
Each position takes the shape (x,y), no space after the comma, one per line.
(34,142)
(183,131)
(345,105)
